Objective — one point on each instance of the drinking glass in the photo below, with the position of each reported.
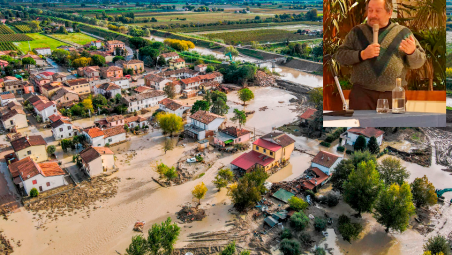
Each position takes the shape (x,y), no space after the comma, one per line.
(382,106)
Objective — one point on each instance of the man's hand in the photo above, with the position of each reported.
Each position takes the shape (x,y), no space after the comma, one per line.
(408,45)
(371,51)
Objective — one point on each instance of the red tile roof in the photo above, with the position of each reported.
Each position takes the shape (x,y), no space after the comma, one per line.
(43,105)
(116,130)
(170,54)
(25,168)
(92,153)
(25,142)
(320,177)
(191,80)
(142,89)
(267,145)
(94,132)
(249,159)
(279,138)
(170,104)
(368,131)
(7,96)
(205,117)
(325,159)
(55,117)
(177,60)
(308,113)
(51,169)
(47,73)
(234,131)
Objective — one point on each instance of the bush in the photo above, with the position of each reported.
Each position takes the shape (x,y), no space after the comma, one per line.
(319,251)
(299,221)
(349,152)
(286,234)
(290,247)
(340,148)
(297,204)
(349,231)
(199,158)
(438,244)
(326,144)
(332,199)
(319,224)
(305,238)
(34,192)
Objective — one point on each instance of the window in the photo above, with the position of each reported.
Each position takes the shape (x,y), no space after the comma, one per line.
(54,110)
(61,129)
(110,140)
(48,184)
(35,182)
(68,128)
(12,122)
(271,153)
(29,152)
(61,136)
(265,150)
(240,139)
(257,147)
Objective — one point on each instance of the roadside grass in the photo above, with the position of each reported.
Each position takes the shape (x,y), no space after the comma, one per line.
(39,41)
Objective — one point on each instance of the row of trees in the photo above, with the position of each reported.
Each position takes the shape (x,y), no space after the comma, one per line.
(76,59)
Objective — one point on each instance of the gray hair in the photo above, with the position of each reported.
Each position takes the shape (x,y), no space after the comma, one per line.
(388,5)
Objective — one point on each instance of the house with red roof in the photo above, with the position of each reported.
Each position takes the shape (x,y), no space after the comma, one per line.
(175,64)
(45,109)
(63,128)
(97,160)
(269,151)
(33,146)
(203,124)
(28,174)
(191,83)
(172,106)
(308,115)
(231,136)
(321,170)
(349,137)
(105,136)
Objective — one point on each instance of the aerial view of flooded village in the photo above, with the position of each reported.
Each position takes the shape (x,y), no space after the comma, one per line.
(196,128)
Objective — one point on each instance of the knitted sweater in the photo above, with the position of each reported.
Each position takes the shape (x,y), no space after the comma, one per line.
(379,73)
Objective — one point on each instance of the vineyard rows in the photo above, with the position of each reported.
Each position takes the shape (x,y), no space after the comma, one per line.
(260,35)
(15,38)
(4,30)
(23,28)
(8,46)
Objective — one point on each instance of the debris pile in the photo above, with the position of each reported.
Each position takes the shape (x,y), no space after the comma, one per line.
(4,211)
(139,225)
(82,197)
(263,108)
(189,214)
(421,157)
(5,245)
(264,80)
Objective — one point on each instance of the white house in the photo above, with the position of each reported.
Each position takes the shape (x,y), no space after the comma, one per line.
(108,89)
(352,134)
(155,81)
(97,160)
(169,56)
(97,43)
(135,121)
(43,51)
(7,98)
(172,106)
(95,136)
(122,82)
(144,100)
(201,68)
(326,162)
(15,118)
(203,124)
(62,129)
(45,109)
(28,174)
(102,137)
(191,83)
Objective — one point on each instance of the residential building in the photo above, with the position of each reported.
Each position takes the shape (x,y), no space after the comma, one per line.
(169,56)
(201,68)
(97,160)
(203,124)
(103,137)
(231,136)
(97,43)
(3,63)
(79,86)
(110,121)
(173,106)
(136,121)
(43,51)
(14,119)
(64,96)
(136,65)
(142,89)
(307,116)
(144,100)
(6,98)
(349,137)
(62,129)
(45,109)
(27,175)
(91,73)
(60,77)
(55,117)
(122,82)
(179,73)
(108,89)
(49,89)
(321,170)
(177,63)
(33,146)
(269,151)
(213,76)
(39,61)
(155,81)
(191,83)
(111,72)
(110,46)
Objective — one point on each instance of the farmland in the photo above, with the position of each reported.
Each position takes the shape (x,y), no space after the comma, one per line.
(14,38)
(262,35)
(78,38)
(39,41)
(204,28)
(4,30)
(7,46)
(24,28)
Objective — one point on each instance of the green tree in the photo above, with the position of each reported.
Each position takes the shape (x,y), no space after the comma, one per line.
(138,246)
(162,238)
(200,105)
(341,173)
(394,207)
(249,189)
(239,116)
(99,101)
(360,143)
(223,177)
(438,244)
(297,204)
(170,174)
(392,171)
(51,149)
(28,61)
(290,247)
(245,95)
(161,61)
(34,192)
(315,96)
(219,105)
(210,69)
(319,251)
(299,221)
(423,192)
(199,191)
(362,156)
(349,231)
(169,122)
(319,224)
(98,60)
(373,146)
(362,188)
(116,58)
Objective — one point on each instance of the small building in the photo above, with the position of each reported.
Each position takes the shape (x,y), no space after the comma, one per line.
(349,137)
(231,136)
(188,93)
(108,89)
(106,136)
(122,82)
(44,176)
(142,101)
(97,44)
(79,86)
(64,96)
(49,89)
(62,129)
(56,117)
(326,161)
(14,119)
(59,77)
(97,160)
(201,68)
(142,89)
(45,108)
(177,63)
(156,82)
(33,146)
(43,51)
(136,121)
(91,73)
(111,46)
(7,98)
(308,115)
(169,56)
(203,124)
(111,72)
(136,65)
(173,106)
(191,83)
(110,121)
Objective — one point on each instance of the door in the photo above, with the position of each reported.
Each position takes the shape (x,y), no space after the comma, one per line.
(40,188)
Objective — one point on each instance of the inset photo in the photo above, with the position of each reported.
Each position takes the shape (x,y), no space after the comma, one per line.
(384,63)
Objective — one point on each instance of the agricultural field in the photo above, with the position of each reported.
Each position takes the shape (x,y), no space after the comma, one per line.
(39,41)
(78,38)
(262,35)
(24,28)
(14,38)
(5,30)
(7,46)
(207,29)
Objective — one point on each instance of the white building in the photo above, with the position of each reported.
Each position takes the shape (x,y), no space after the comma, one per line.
(28,174)
(97,160)
(326,162)
(15,118)
(169,56)
(191,83)
(349,137)
(43,51)
(144,100)
(135,121)
(155,81)
(108,89)
(201,68)
(122,82)
(62,129)
(97,43)
(7,98)
(45,109)
(203,124)
(102,137)
(172,106)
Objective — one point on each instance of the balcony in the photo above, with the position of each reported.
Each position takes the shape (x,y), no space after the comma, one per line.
(192,128)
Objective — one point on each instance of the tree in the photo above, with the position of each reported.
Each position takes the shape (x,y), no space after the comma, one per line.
(230,49)
(88,104)
(116,58)
(341,173)
(349,231)
(392,171)
(249,189)
(138,246)
(319,224)
(223,177)
(239,116)
(81,62)
(161,238)
(360,143)
(299,221)
(148,61)
(34,25)
(362,187)
(394,207)
(200,105)
(169,122)
(168,145)
(290,247)
(28,61)
(34,192)
(51,149)
(438,244)
(170,173)
(219,105)
(297,204)
(161,61)
(199,192)
(170,90)
(316,96)
(373,146)
(362,156)
(98,60)
(99,101)
(423,192)
(118,98)
(245,95)
(319,251)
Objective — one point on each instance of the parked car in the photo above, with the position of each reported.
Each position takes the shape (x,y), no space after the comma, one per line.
(191,160)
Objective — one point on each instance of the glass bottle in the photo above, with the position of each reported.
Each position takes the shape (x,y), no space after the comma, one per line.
(398,97)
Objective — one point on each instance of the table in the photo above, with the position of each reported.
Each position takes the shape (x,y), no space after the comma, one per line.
(370,118)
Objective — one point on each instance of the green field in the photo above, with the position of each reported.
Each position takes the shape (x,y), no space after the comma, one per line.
(79,38)
(39,41)
(261,35)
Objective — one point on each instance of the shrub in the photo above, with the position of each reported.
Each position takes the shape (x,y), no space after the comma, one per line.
(319,251)
(297,204)
(34,192)
(199,158)
(340,148)
(349,231)
(438,244)
(326,144)
(332,199)
(349,152)
(305,238)
(290,247)
(319,224)
(299,221)
(286,234)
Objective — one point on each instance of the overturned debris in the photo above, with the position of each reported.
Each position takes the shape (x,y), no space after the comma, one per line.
(5,245)
(189,214)
(139,225)
(421,157)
